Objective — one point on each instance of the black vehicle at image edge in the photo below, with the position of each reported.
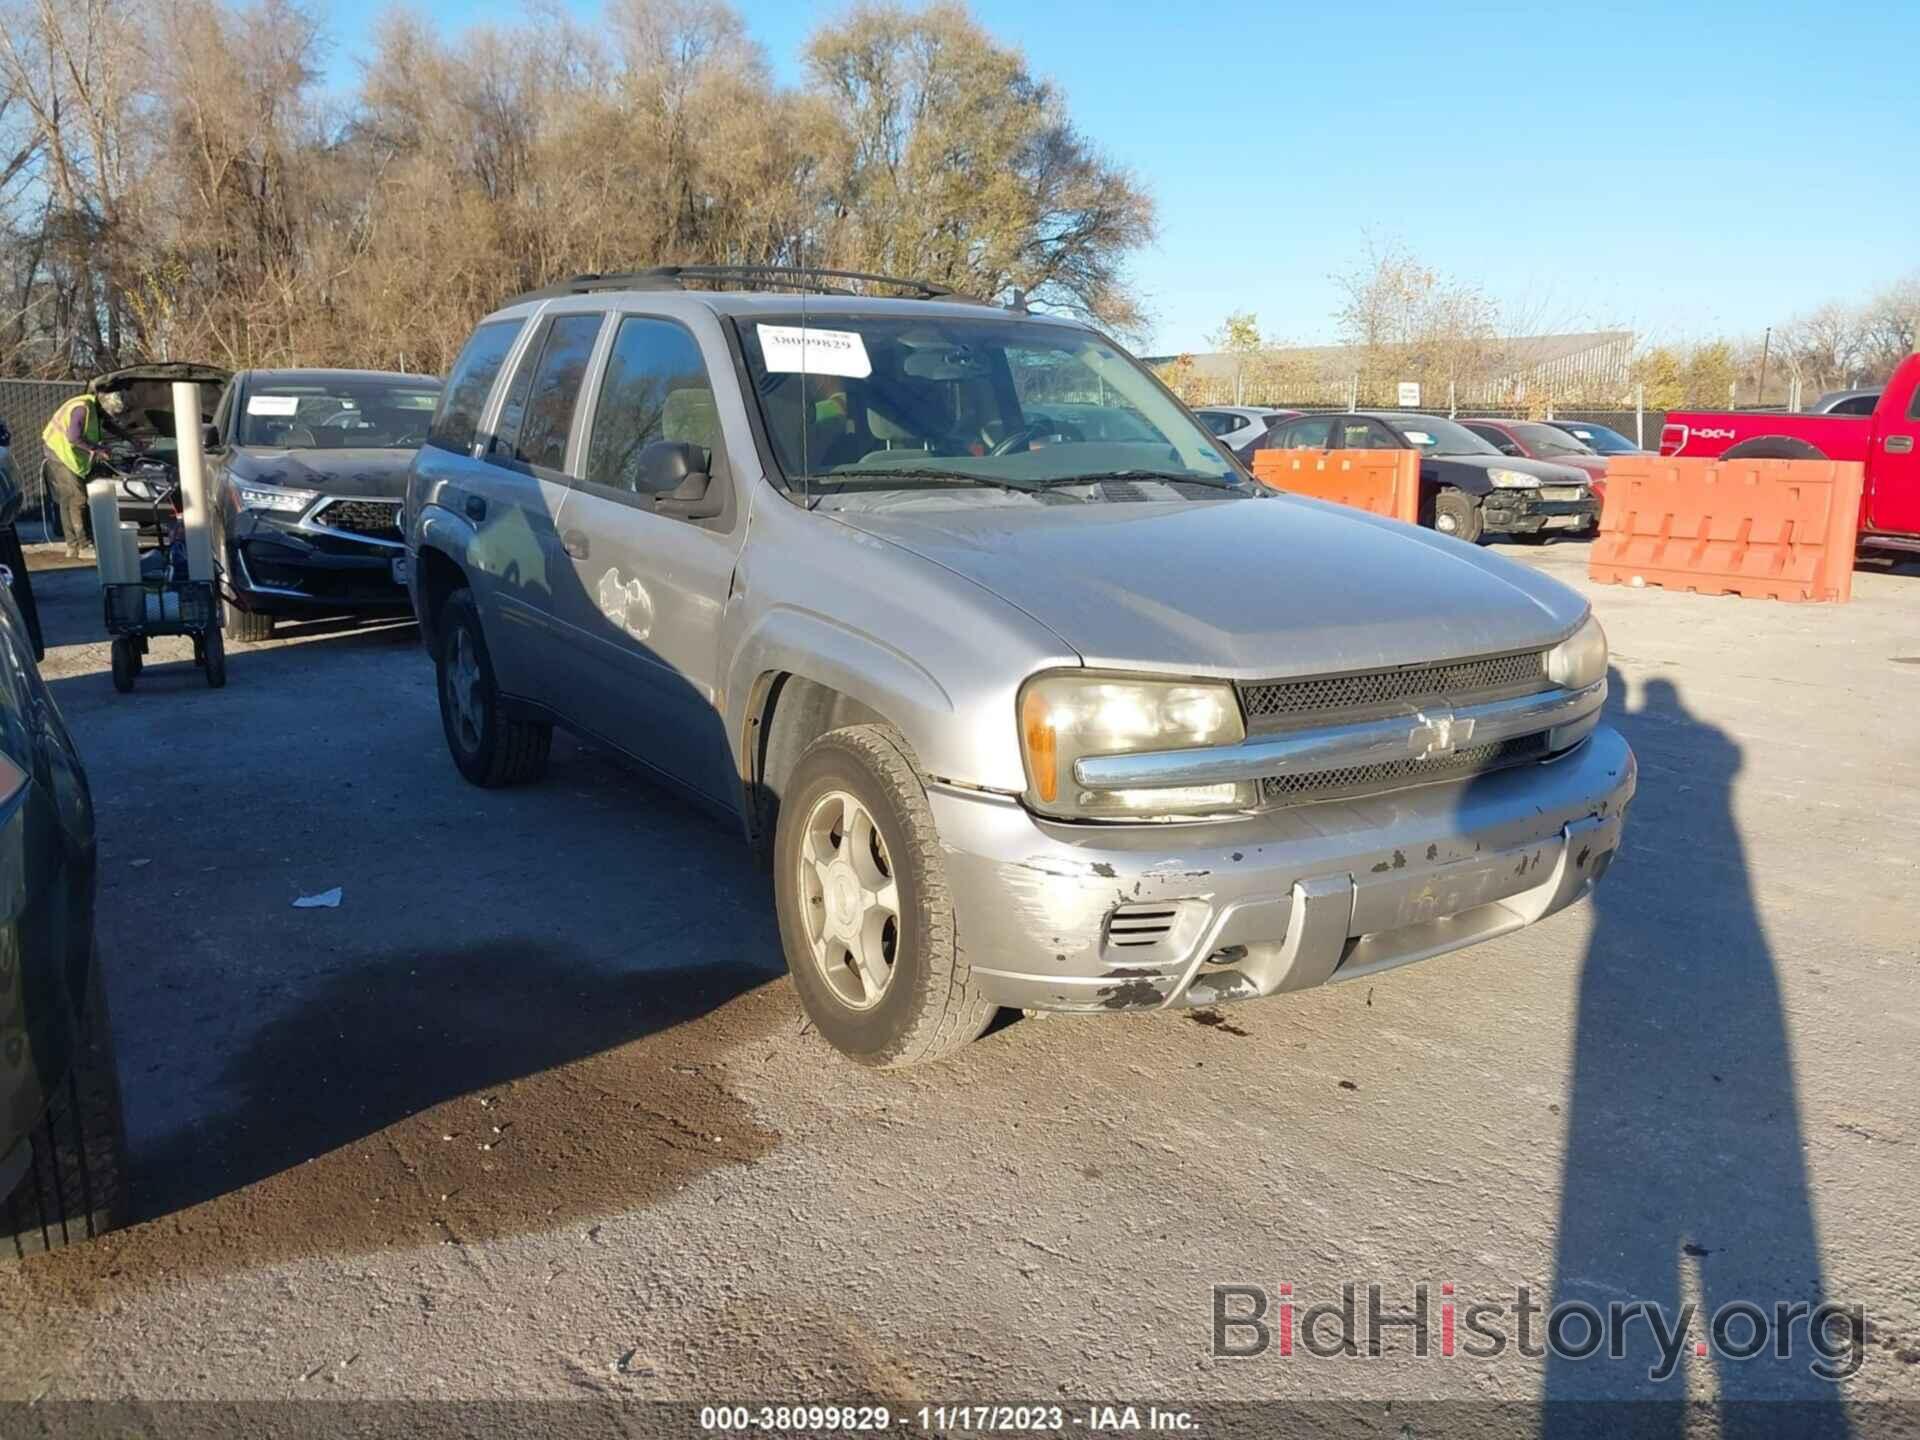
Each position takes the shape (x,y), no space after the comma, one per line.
(309,468)
(1467,487)
(62,1143)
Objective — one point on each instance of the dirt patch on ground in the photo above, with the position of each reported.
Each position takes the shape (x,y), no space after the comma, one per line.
(457,1099)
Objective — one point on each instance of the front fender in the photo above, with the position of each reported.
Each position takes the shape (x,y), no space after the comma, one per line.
(961,728)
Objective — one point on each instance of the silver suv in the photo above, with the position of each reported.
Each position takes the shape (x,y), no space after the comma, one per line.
(1033,697)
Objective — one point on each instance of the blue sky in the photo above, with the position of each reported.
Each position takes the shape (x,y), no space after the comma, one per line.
(1716,170)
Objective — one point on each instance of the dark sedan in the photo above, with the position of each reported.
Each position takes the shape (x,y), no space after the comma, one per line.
(310,467)
(62,1145)
(1466,486)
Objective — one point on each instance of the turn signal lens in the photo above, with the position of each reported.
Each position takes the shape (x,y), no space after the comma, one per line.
(1043,746)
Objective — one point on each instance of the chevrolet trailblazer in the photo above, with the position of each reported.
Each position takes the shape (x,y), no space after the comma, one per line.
(1032,697)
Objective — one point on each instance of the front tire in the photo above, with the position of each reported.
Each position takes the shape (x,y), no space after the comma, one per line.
(1457,514)
(490,747)
(75,1187)
(865,916)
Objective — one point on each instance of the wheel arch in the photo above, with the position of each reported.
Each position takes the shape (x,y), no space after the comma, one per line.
(786,712)
(1774,447)
(439,576)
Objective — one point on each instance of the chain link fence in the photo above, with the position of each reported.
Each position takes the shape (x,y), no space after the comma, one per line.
(26,406)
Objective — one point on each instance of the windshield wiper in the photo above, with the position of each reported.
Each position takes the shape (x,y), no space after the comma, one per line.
(960,477)
(1171,476)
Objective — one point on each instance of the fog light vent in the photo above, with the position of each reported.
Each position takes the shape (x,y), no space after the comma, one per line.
(1140,924)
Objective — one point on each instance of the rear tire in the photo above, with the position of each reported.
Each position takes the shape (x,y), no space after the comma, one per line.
(75,1187)
(929,1004)
(1457,514)
(248,625)
(490,747)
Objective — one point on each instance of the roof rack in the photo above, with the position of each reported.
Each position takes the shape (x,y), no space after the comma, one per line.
(809,278)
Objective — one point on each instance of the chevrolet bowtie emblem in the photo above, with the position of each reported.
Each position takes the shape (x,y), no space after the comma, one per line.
(1437,734)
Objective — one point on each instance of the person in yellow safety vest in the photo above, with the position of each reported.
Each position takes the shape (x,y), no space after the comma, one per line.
(73,442)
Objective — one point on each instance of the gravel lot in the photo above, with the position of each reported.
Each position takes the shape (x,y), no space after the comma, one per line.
(534,1112)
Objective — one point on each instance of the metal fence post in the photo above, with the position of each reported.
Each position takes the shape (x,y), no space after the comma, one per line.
(1640,415)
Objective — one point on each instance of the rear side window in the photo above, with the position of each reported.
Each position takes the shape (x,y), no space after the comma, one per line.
(1220,422)
(555,391)
(655,388)
(458,417)
(1305,435)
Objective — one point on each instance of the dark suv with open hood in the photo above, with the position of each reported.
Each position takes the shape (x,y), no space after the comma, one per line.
(310,467)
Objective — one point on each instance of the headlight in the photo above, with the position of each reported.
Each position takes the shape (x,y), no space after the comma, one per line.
(1068,715)
(1513,480)
(1580,659)
(253,496)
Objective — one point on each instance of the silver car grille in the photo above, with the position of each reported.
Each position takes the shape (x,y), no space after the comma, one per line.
(1331,699)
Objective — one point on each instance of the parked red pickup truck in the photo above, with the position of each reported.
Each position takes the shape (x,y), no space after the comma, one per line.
(1887,442)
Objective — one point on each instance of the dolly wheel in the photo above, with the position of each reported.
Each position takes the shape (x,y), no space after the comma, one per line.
(126,665)
(214,658)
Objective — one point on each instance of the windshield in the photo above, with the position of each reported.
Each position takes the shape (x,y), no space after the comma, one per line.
(1601,440)
(1547,441)
(857,402)
(364,413)
(1441,437)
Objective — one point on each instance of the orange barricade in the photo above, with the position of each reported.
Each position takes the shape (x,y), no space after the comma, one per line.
(1381,482)
(1779,529)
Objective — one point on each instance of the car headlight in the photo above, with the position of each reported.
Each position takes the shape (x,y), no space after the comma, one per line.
(1580,659)
(1513,480)
(255,496)
(1069,715)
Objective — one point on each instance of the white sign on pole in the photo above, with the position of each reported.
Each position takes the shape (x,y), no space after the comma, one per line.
(1409,393)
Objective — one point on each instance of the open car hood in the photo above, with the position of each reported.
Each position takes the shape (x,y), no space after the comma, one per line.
(149,392)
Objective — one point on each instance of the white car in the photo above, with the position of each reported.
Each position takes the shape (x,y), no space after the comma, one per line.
(1239,426)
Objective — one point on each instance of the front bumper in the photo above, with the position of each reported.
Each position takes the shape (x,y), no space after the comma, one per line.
(279,568)
(1527,512)
(1094,917)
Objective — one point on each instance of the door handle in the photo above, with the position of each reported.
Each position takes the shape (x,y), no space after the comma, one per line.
(476,508)
(1899,444)
(574,542)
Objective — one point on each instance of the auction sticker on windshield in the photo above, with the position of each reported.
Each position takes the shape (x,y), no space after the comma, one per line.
(273,404)
(792,349)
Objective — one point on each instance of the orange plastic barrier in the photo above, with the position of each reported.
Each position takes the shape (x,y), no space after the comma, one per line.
(1381,482)
(1778,529)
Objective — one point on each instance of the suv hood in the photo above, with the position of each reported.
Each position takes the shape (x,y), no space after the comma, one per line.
(1250,588)
(368,474)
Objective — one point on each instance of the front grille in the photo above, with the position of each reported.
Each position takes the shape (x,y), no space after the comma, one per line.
(376,519)
(1396,774)
(1278,704)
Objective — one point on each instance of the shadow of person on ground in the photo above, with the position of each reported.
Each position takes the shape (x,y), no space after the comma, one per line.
(1685,1182)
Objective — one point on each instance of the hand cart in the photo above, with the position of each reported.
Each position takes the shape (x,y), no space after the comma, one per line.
(165,603)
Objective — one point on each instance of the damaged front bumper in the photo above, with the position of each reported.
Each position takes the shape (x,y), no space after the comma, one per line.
(286,566)
(1552,507)
(1094,917)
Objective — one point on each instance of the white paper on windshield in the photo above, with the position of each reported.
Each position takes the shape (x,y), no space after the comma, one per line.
(273,404)
(791,349)
(1419,437)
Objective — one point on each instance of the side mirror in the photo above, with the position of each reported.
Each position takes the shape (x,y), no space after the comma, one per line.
(678,477)
(210,437)
(6,435)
